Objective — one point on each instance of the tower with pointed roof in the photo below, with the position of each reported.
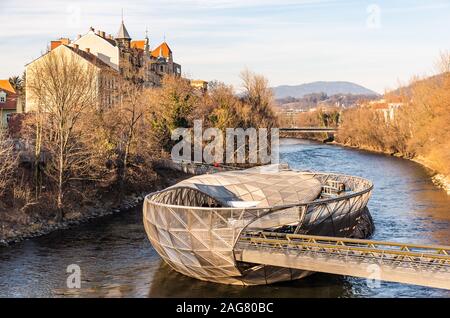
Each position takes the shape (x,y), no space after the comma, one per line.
(123,38)
(128,61)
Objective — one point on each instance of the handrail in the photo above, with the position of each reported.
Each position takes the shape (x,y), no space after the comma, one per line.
(349,240)
(355,245)
(322,201)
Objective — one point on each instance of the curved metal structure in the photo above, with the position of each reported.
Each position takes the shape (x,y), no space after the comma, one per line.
(196,224)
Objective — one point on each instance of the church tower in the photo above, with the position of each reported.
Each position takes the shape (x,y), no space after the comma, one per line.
(123,38)
(127,61)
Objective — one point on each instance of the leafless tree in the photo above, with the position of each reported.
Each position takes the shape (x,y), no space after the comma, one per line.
(259,97)
(129,116)
(8,161)
(65,89)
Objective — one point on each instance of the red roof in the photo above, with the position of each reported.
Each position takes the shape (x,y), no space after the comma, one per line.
(56,43)
(380,106)
(5,85)
(11,96)
(163,50)
(138,44)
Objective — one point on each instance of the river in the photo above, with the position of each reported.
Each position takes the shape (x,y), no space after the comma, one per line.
(117,260)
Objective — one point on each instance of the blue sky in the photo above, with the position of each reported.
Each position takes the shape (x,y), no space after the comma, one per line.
(378,44)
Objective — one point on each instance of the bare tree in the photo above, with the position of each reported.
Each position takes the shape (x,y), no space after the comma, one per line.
(129,117)
(442,64)
(8,162)
(259,97)
(64,88)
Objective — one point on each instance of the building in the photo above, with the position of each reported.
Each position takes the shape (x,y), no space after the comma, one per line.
(386,108)
(132,60)
(104,73)
(9,101)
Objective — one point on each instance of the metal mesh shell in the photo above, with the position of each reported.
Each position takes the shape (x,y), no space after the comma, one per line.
(194,229)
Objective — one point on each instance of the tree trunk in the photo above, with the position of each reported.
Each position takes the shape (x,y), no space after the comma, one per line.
(60,213)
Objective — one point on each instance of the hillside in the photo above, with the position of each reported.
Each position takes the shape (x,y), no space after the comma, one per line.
(323,100)
(329,88)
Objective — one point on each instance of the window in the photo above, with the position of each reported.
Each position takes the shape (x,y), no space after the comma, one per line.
(2,97)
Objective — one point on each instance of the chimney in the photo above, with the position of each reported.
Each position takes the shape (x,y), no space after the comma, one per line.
(76,46)
(102,34)
(88,50)
(92,29)
(65,41)
(110,37)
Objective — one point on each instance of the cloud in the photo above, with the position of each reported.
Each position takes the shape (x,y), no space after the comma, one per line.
(290,41)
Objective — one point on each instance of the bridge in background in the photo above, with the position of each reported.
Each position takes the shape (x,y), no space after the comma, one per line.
(309,129)
(404,263)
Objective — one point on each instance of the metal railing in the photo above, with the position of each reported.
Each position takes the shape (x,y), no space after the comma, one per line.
(425,257)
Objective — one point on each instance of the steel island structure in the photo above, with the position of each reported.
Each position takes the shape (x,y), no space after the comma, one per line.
(201,225)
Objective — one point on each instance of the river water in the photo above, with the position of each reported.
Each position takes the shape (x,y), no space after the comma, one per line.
(117,260)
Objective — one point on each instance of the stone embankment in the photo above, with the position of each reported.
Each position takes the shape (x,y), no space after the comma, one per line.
(16,234)
(13,233)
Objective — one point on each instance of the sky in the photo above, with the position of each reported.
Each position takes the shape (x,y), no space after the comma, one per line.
(377,44)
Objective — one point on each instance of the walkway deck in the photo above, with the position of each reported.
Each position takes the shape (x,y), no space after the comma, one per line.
(404,263)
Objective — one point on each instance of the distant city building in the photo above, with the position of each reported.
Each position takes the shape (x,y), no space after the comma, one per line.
(386,108)
(9,101)
(132,60)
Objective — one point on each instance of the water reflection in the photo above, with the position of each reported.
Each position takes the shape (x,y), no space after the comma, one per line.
(168,283)
(117,260)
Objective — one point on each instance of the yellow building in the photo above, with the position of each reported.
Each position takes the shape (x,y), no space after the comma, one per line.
(104,74)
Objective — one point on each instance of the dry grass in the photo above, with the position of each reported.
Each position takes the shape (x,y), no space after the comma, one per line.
(421,126)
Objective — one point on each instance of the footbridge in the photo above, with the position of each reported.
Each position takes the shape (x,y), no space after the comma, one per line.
(309,129)
(395,262)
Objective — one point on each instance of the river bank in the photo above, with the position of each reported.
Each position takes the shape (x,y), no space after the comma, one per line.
(168,173)
(14,232)
(439,179)
(117,259)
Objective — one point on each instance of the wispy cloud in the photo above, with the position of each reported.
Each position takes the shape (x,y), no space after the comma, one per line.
(291,41)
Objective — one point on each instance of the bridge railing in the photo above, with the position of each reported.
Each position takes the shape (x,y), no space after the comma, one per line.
(398,254)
